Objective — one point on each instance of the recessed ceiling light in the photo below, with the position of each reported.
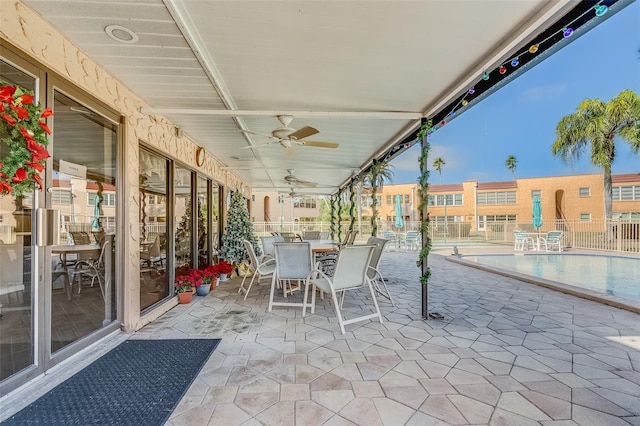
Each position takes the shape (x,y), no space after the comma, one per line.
(121,34)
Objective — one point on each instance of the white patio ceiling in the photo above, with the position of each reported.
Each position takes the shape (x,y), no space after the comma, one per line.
(320,61)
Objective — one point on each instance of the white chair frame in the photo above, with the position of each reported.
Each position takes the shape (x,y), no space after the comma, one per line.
(261,268)
(350,274)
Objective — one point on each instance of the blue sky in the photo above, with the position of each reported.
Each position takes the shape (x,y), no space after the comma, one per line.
(520,118)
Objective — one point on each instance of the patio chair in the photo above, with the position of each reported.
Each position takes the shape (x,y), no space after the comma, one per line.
(290,237)
(350,274)
(293,263)
(412,240)
(551,240)
(267,245)
(311,235)
(261,268)
(392,238)
(374,274)
(522,240)
(93,269)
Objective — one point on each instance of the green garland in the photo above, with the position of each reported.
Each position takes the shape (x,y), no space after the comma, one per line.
(332,204)
(423,191)
(340,214)
(23,129)
(352,206)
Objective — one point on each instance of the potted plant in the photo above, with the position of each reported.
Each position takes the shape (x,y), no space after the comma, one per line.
(184,286)
(208,279)
(224,268)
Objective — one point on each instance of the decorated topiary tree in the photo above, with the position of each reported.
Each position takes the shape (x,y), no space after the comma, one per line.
(239,228)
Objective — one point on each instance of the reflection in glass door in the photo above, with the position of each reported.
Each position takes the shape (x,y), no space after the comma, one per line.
(16,262)
(83,188)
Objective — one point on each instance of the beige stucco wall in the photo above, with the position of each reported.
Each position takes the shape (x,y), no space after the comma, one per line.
(27,31)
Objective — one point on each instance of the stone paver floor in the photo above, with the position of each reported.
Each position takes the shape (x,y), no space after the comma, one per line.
(507,353)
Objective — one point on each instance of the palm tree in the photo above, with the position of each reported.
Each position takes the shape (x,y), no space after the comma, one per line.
(597,124)
(437,164)
(511,163)
(378,173)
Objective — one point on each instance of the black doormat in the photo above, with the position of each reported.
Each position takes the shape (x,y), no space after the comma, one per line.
(140,382)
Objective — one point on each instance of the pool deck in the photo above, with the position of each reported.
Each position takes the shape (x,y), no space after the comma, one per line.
(507,353)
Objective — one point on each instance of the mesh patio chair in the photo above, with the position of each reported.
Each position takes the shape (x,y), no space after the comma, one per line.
(350,274)
(94,269)
(261,268)
(412,240)
(311,235)
(374,274)
(293,263)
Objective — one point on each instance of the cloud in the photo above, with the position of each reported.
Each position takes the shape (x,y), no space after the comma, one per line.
(543,93)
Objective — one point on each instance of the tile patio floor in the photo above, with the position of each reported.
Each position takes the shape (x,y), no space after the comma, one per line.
(507,353)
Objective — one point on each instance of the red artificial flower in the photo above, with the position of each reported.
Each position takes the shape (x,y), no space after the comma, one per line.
(8,119)
(39,167)
(37,151)
(1,107)
(26,99)
(46,113)
(6,94)
(45,127)
(20,175)
(23,114)
(26,133)
(5,187)
(36,177)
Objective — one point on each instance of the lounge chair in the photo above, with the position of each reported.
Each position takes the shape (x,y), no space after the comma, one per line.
(552,239)
(522,240)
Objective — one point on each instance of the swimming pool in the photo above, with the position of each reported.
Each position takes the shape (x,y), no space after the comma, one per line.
(614,275)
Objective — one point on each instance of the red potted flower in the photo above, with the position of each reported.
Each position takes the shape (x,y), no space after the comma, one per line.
(208,280)
(224,269)
(184,285)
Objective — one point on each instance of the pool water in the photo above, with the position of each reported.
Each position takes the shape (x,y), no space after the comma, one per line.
(615,275)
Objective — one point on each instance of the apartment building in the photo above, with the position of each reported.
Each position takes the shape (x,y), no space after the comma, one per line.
(572,197)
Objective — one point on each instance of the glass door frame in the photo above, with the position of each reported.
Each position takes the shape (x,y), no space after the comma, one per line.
(62,86)
(38,328)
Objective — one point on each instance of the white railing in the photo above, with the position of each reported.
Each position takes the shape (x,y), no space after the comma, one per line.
(614,235)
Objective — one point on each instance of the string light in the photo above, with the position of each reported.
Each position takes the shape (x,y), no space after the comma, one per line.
(599,9)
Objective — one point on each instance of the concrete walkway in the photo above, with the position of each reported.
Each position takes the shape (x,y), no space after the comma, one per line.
(507,353)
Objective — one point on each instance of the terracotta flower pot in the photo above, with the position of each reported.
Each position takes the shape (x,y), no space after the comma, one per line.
(185,297)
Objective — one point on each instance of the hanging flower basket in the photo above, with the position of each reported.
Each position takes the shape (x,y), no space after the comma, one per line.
(24,131)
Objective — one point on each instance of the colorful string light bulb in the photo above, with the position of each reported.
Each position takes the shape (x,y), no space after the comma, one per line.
(601,9)
(567,32)
(485,76)
(472,91)
(464,102)
(502,69)
(533,48)
(515,62)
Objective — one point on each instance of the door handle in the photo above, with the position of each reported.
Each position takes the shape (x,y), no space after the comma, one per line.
(47,227)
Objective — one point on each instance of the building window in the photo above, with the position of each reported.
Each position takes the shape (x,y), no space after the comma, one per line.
(500,218)
(407,198)
(626,193)
(585,192)
(495,198)
(445,199)
(378,200)
(59,196)
(304,203)
(389,200)
(108,199)
(585,217)
(536,192)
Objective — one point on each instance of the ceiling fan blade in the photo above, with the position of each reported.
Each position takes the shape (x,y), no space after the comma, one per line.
(319,144)
(304,132)
(306,184)
(251,132)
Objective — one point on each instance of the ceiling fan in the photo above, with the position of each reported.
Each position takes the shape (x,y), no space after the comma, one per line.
(289,137)
(293,180)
